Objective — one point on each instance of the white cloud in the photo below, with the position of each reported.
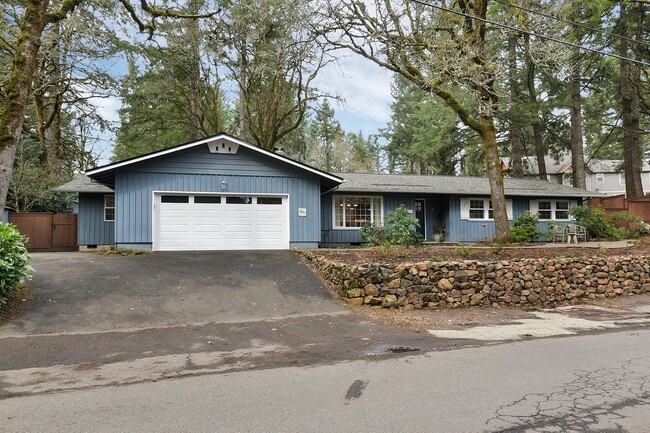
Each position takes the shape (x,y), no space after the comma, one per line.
(365,88)
(108,107)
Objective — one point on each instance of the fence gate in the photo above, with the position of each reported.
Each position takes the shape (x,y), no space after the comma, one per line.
(47,231)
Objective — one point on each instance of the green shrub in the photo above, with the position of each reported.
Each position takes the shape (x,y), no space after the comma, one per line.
(463,251)
(14,267)
(525,228)
(628,225)
(593,219)
(401,228)
(372,234)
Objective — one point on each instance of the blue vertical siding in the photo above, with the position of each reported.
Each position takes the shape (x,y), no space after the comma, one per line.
(93,230)
(5,216)
(198,170)
(134,195)
(436,209)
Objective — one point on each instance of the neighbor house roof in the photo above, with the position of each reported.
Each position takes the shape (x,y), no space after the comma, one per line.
(101,172)
(84,184)
(560,165)
(462,185)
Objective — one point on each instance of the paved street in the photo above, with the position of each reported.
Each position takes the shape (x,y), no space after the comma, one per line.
(597,383)
(260,346)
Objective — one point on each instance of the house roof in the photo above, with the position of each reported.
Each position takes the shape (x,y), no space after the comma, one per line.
(462,185)
(560,165)
(101,172)
(84,184)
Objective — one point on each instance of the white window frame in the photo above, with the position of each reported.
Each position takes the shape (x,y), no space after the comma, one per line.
(621,178)
(534,208)
(373,219)
(465,203)
(600,177)
(107,207)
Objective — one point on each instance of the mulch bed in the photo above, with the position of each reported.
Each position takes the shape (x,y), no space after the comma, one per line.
(472,252)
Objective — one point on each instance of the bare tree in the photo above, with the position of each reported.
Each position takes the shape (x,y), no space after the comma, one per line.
(37,15)
(441,52)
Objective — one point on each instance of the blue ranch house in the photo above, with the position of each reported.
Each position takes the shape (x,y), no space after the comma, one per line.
(222,193)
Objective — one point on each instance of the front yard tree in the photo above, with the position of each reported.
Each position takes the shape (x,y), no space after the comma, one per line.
(441,52)
(37,16)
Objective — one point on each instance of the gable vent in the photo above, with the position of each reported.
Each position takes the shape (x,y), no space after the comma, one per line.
(223,146)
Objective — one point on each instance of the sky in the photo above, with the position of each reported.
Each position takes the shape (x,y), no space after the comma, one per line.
(363,86)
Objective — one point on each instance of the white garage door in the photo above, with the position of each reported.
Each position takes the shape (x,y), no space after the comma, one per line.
(220,222)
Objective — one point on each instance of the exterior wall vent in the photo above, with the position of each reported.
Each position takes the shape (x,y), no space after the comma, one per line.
(223,146)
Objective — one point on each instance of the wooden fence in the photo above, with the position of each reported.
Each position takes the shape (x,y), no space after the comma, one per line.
(47,231)
(639,206)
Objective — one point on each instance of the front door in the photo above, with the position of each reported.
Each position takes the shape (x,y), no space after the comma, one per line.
(419,214)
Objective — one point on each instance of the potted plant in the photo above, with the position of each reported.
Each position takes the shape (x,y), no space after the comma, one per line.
(439,234)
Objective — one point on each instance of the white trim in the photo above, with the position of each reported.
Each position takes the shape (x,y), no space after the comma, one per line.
(465,212)
(381,217)
(156,194)
(107,207)
(208,140)
(553,208)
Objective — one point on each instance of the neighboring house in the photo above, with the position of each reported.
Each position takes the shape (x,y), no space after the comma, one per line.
(605,176)
(224,193)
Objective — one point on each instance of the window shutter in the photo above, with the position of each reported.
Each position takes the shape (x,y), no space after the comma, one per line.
(464,208)
(509,209)
(533,206)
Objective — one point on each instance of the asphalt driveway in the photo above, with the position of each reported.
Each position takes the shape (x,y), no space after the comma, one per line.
(88,293)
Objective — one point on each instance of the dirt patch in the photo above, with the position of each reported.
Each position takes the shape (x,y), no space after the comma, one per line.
(16,304)
(438,253)
(464,318)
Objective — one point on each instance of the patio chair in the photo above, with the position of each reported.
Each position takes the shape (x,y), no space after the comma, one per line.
(579,231)
(559,234)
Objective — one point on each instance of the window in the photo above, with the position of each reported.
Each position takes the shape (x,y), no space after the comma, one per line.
(621,178)
(551,209)
(568,179)
(207,199)
(109,207)
(355,211)
(477,209)
(269,200)
(600,177)
(239,200)
(481,209)
(175,199)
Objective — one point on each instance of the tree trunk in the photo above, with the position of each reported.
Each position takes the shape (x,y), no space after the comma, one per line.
(577,149)
(12,114)
(630,77)
(540,151)
(516,145)
(196,107)
(242,93)
(495,178)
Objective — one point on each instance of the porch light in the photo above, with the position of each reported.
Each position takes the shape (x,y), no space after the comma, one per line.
(224,185)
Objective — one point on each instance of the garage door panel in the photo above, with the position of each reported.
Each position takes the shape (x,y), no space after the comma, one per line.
(215,225)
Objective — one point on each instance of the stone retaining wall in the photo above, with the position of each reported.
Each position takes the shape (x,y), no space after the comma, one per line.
(523,282)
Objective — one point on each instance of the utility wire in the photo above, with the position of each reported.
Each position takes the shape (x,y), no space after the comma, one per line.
(573,23)
(515,29)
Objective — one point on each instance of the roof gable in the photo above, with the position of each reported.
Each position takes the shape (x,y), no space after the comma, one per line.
(218,144)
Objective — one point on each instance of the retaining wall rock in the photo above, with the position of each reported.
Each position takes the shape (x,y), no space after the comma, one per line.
(542,282)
